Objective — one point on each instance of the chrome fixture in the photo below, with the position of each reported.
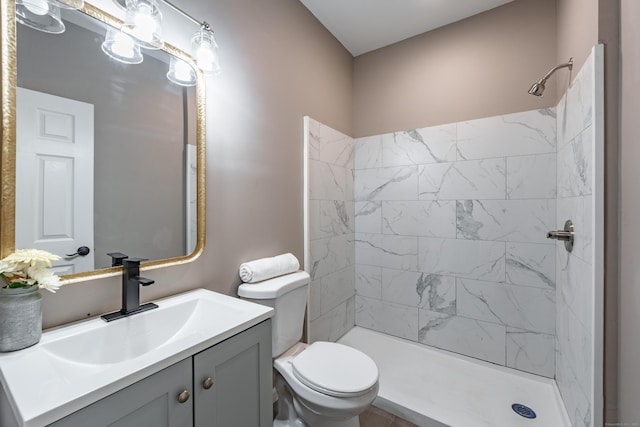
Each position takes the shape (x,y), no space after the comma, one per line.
(142,28)
(204,50)
(181,73)
(145,26)
(131,282)
(40,15)
(143,22)
(44,15)
(121,47)
(537,89)
(567,235)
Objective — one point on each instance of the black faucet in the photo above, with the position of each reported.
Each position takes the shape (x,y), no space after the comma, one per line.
(131,282)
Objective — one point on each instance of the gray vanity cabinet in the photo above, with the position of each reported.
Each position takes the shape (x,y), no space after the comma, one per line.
(232,381)
(227,385)
(149,402)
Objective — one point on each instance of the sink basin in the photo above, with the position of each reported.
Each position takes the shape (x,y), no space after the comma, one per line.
(76,365)
(133,336)
(126,339)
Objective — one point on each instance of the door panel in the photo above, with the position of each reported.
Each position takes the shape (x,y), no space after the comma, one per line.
(54,177)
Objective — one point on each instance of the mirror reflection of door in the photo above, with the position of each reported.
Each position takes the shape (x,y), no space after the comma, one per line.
(191,180)
(54,177)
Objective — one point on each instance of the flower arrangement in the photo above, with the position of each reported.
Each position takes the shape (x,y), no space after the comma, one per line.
(28,267)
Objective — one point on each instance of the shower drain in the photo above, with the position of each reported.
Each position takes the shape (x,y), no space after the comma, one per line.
(523,411)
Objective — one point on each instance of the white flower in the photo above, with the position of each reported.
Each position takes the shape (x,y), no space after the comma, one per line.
(45,278)
(27,267)
(32,257)
(8,268)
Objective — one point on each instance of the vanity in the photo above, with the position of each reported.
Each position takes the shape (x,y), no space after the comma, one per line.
(200,359)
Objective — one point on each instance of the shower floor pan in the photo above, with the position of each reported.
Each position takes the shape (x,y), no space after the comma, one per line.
(437,388)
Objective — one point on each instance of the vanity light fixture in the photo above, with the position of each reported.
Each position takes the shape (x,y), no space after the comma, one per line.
(40,15)
(205,50)
(121,47)
(203,44)
(181,72)
(144,23)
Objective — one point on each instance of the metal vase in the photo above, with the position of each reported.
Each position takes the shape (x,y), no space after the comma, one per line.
(20,318)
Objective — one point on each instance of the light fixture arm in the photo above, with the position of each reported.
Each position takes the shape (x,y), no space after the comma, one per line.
(203,43)
(204,25)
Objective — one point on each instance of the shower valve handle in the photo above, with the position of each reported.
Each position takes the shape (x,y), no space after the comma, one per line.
(560,235)
(567,235)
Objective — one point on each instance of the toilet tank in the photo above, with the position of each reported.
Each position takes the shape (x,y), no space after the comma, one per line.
(287,295)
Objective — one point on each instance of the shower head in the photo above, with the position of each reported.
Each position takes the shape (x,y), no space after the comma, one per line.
(537,89)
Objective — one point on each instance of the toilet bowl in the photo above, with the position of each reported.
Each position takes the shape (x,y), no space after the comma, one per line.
(323,384)
(328,384)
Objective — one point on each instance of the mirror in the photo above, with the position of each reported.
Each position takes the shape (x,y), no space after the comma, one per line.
(139,186)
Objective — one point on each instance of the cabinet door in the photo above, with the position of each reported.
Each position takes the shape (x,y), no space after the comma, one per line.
(239,370)
(151,402)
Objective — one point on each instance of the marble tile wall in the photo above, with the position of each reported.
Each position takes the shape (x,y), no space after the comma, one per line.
(438,235)
(450,237)
(330,232)
(576,285)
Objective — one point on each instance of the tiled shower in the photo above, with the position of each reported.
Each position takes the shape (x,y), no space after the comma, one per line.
(438,235)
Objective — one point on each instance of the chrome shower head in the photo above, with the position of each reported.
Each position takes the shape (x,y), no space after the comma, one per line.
(537,89)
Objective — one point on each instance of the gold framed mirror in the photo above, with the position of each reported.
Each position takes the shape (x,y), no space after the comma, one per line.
(189,198)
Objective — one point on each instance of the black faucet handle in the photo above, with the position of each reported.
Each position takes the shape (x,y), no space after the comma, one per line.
(117,258)
(134,261)
(145,282)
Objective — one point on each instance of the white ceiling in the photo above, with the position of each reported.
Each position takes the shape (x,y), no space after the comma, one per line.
(365,25)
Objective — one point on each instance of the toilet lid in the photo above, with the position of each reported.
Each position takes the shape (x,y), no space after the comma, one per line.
(335,369)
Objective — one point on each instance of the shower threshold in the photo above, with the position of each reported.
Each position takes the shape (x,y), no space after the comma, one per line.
(436,388)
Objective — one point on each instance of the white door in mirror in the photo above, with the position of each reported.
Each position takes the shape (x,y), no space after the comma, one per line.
(54,177)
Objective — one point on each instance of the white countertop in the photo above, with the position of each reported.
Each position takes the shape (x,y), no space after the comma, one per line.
(59,376)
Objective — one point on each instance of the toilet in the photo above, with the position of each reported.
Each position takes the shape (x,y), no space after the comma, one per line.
(323,384)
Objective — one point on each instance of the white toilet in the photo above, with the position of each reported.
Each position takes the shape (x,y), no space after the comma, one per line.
(323,384)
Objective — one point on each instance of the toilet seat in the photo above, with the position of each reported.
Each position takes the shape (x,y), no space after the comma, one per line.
(335,370)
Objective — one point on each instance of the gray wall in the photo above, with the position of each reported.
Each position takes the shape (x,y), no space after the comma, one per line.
(138,114)
(479,67)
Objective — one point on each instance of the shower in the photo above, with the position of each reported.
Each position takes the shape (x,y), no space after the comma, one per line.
(537,89)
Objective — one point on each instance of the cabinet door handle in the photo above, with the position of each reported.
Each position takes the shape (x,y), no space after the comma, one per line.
(184,396)
(207,383)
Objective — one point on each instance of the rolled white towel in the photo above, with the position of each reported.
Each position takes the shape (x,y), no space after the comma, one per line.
(266,268)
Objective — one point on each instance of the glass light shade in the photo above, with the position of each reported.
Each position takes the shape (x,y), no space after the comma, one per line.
(68,4)
(39,15)
(181,72)
(144,23)
(204,50)
(121,47)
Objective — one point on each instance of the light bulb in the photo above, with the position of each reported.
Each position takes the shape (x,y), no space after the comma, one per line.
(37,7)
(145,24)
(205,57)
(181,72)
(205,50)
(123,45)
(39,15)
